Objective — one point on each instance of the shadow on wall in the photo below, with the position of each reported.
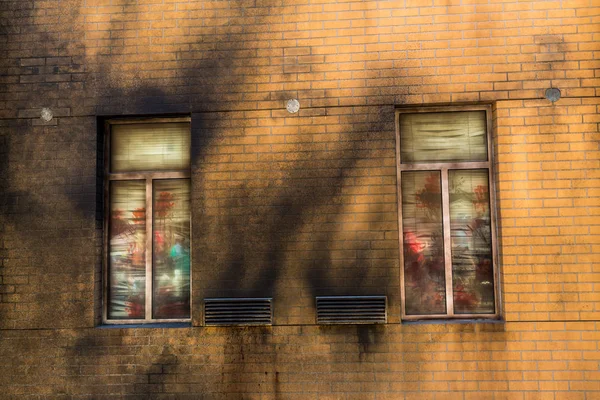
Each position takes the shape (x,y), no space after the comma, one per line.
(275,218)
(290,225)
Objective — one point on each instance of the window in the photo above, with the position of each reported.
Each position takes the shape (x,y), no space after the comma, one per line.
(147,224)
(446,213)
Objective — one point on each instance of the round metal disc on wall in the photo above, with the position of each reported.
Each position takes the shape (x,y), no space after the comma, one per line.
(46,114)
(552,94)
(293,106)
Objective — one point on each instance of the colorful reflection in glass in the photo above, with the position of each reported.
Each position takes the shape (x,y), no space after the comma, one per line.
(472,266)
(424,274)
(127,244)
(171,248)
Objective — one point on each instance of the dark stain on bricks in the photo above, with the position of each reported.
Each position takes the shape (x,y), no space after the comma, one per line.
(255,234)
(369,338)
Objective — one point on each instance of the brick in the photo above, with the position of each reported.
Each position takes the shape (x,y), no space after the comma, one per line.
(298,205)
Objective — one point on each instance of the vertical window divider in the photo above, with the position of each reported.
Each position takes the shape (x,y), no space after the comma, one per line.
(149,249)
(447,241)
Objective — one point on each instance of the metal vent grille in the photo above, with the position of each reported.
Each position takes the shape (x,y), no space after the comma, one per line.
(243,311)
(352,310)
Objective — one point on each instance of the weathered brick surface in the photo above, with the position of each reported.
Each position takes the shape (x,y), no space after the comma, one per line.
(533,360)
(298,205)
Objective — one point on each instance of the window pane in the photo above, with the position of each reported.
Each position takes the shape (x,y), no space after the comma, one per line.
(171,248)
(144,147)
(437,137)
(127,244)
(424,275)
(472,269)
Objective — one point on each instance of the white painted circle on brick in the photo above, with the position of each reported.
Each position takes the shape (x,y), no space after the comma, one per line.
(293,106)
(46,114)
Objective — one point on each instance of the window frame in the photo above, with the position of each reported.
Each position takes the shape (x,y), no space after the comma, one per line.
(148,177)
(444,168)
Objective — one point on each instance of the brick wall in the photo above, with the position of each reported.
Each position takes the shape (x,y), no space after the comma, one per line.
(534,360)
(298,205)
(548,163)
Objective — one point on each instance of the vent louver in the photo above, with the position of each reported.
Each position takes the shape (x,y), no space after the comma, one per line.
(243,311)
(351,310)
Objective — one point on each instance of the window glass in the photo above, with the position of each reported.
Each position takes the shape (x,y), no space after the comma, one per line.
(148,211)
(446,214)
(472,272)
(443,137)
(145,147)
(171,248)
(127,250)
(424,273)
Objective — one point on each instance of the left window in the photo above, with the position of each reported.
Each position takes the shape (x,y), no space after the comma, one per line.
(147,221)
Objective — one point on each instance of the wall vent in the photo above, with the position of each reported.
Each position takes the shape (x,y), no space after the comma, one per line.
(352,310)
(242,311)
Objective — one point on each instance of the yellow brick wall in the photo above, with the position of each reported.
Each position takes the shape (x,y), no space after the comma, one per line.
(298,205)
(548,162)
(512,361)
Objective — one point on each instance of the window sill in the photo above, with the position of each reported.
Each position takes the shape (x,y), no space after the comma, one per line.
(453,321)
(153,325)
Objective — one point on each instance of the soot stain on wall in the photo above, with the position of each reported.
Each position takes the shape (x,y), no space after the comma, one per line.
(293,203)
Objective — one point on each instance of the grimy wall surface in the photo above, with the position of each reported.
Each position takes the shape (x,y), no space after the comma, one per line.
(298,205)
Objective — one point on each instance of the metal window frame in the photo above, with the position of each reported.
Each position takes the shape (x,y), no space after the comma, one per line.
(148,177)
(443,168)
